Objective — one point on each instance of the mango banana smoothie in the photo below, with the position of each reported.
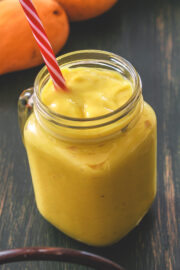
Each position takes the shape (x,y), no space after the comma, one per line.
(94,172)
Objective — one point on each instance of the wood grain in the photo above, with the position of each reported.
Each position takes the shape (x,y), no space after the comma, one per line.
(147,33)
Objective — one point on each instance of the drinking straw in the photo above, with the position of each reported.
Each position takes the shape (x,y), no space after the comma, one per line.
(43,43)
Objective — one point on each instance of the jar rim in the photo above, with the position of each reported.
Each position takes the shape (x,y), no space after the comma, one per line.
(137,89)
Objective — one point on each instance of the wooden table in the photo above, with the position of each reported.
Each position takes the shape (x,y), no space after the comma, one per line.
(147,33)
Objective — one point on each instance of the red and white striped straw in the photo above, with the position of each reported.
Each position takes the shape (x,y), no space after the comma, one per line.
(43,43)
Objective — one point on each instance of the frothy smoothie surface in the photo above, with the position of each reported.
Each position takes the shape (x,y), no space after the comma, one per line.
(92,92)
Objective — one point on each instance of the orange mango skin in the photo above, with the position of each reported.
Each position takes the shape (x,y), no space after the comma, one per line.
(18,48)
(79,10)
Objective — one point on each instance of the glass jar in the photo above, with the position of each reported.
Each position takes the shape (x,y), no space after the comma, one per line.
(94,179)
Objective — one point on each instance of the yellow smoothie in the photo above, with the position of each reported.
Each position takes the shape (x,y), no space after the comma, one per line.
(92,92)
(94,191)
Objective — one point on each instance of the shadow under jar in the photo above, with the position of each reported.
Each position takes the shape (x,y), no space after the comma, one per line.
(94,178)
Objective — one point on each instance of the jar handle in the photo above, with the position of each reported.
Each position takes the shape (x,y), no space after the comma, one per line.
(25,107)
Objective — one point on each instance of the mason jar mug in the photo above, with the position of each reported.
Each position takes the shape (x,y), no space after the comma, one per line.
(93,178)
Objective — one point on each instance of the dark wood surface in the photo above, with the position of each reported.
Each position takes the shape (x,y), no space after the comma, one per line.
(147,33)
